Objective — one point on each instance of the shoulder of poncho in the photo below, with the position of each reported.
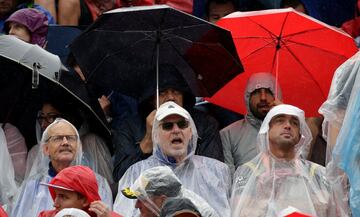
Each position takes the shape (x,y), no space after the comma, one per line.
(202,161)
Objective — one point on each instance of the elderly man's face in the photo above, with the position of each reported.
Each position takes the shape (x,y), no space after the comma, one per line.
(171,95)
(260,102)
(175,134)
(62,143)
(284,131)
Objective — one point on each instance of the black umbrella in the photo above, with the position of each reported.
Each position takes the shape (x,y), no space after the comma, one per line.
(22,90)
(123,49)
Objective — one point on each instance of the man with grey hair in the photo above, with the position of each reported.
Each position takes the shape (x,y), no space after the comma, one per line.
(60,148)
(239,138)
(175,138)
(277,178)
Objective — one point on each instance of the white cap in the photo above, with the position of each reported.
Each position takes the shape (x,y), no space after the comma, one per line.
(171,108)
(72,212)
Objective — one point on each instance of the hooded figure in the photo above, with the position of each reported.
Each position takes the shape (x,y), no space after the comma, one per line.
(32,197)
(340,128)
(175,147)
(35,22)
(79,179)
(157,185)
(128,138)
(239,138)
(8,188)
(277,177)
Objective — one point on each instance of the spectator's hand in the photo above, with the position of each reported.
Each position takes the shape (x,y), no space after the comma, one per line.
(146,143)
(100,209)
(275,103)
(105,104)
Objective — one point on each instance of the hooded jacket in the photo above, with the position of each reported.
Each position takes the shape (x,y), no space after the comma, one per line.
(35,21)
(239,138)
(267,185)
(80,179)
(127,137)
(208,178)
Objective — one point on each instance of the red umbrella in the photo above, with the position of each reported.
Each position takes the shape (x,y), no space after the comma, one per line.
(302,53)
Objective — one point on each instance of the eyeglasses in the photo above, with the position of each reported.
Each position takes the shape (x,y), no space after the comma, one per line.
(48,118)
(167,126)
(60,138)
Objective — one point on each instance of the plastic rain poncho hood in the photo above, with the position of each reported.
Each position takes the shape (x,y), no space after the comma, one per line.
(341,129)
(159,181)
(208,178)
(266,185)
(8,186)
(33,197)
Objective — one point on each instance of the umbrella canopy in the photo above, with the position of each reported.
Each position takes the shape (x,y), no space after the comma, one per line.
(123,49)
(22,90)
(301,52)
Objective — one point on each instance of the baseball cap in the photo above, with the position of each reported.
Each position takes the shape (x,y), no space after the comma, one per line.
(171,108)
(155,182)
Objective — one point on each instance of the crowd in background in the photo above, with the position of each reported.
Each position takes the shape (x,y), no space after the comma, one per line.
(222,159)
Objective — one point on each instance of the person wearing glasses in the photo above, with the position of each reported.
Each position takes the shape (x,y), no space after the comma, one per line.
(175,137)
(132,140)
(60,148)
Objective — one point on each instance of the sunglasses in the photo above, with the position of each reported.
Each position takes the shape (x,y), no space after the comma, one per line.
(167,126)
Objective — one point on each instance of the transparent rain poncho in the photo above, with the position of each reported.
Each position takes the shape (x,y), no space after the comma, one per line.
(33,197)
(266,185)
(341,127)
(208,178)
(334,108)
(96,155)
(8,186)
(18,151)
(159,181)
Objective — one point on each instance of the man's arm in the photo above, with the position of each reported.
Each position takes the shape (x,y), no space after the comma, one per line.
(48,5)
(69,12)
(127,146)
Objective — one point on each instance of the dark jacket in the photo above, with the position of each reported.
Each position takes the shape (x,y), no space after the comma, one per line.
(127,138)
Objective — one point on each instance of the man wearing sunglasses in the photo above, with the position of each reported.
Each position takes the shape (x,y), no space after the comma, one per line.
(175,137)
(60,147)
(132,140)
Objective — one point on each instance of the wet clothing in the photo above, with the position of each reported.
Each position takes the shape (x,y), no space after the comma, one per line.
(80,179)
(34,198)
(239,142)
(267,185)
(239,138)
(208,178)
(128,137)
(34,20)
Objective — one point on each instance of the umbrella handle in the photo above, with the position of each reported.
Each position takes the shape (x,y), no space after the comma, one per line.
(35,76)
